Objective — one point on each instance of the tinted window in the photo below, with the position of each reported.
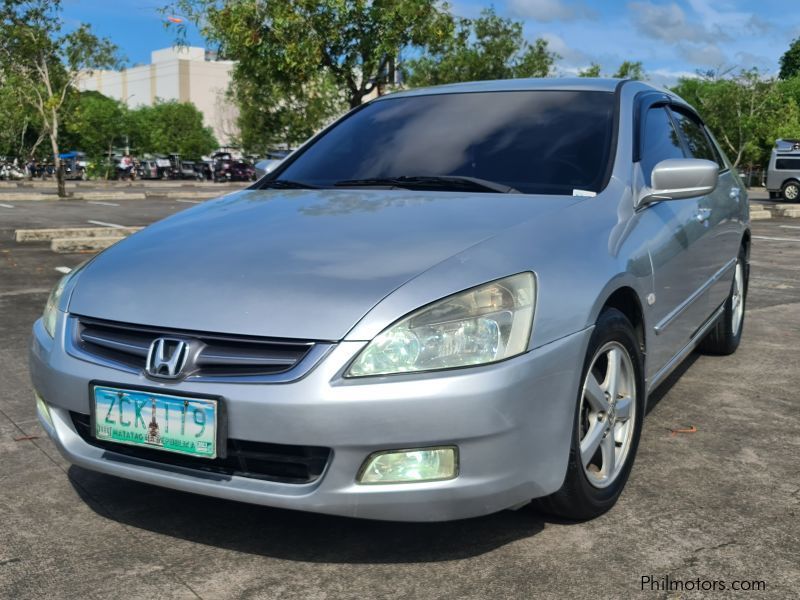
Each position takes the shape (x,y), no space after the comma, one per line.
(787,164)
(659,140)
(696,138)
(534,141)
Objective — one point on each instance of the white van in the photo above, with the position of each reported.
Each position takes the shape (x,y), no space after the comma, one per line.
(783,173)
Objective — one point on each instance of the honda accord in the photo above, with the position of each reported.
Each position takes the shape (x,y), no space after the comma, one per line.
(450,302)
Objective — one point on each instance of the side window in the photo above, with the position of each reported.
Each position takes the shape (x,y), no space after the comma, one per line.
(696,138)
(659,140)
(788,164)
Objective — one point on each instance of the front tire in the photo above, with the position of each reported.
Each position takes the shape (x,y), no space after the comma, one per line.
(607,424)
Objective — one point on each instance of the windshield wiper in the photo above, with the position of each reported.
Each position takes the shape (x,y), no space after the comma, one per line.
(432,182)
(286,184)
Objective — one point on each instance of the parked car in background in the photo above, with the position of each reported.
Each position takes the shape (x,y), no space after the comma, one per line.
(186,169)
(148,169)
(227,167)
(74,164)
(451,302)
(270,162)
(241,170)
(205,167)
(783,172)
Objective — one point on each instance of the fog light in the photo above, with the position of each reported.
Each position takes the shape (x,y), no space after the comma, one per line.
(410,466)
(43,410)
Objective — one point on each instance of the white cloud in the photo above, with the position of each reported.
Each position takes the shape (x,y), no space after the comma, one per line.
(550,10)
(756,24)
(729,21)
(668,77)
(748,59)
(569,55)
(668,22)
(703,55)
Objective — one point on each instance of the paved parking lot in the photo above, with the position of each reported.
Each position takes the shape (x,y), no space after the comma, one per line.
(722,503)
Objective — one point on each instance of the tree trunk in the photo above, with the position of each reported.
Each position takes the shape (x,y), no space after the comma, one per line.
(59,167)
(355,99)
(62,188)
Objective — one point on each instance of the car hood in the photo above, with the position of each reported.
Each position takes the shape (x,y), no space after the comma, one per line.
(291,264)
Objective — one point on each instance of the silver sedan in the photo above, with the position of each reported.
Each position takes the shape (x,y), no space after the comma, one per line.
(450,302)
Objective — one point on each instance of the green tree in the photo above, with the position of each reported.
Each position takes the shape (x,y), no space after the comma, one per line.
(312,57)
(96,124)
(44,62)
(746,112)
(168,127)
(488,47)
(627,70)
(269,117)
(20,128)
(630,70)
(790,61)
(593,70)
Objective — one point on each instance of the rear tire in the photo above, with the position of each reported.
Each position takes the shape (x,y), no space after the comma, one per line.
(791,191)
(605,433)
(725,336)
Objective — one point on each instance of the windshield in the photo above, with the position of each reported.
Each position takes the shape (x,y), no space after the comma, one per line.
(537,142)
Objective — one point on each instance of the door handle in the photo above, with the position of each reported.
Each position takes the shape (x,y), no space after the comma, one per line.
(703,214)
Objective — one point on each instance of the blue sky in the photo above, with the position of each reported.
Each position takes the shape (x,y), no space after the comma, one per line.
(671,37)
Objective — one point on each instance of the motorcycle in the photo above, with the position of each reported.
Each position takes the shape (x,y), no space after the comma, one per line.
(11,172)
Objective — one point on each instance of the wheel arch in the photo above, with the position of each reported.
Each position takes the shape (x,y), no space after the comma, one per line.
(626,300)
(789,180)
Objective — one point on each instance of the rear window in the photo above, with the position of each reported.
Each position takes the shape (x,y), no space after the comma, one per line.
(539,142)
(787,164)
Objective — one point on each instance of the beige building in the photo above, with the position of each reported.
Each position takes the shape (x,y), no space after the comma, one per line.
(180,73)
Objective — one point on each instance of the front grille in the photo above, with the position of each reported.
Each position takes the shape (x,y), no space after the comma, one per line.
(214,355)
(257,460)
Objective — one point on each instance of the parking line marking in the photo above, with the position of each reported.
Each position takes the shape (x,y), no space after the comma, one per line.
(189,201)
(102,203)
(7,205)
(789,227)
(64,270)
(775,239)
(104,224)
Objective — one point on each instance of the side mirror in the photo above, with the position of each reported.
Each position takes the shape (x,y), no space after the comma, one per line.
(679,178)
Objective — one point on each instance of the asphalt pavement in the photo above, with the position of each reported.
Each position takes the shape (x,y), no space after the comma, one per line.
(720,503)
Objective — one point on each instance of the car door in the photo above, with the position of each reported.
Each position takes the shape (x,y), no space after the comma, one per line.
(718,213)
(673,233)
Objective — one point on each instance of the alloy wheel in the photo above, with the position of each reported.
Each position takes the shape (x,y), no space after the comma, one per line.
(607,414)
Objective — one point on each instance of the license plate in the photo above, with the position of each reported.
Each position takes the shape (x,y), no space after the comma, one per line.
(160,421)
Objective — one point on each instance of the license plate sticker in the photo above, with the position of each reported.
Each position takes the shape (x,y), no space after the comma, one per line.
(160,421)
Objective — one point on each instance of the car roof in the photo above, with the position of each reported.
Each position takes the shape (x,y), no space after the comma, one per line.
(581,84)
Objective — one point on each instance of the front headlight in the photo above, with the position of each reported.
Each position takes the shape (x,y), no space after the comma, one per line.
(482,325)
(51,307)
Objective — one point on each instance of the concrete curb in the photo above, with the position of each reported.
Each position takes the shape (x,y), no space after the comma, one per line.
(195,195)
(788,211)
(85,244)
(32,196)
(110,196)
(758,215)
(43,235)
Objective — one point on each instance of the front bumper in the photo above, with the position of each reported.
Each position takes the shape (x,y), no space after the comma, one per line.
(511,421)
